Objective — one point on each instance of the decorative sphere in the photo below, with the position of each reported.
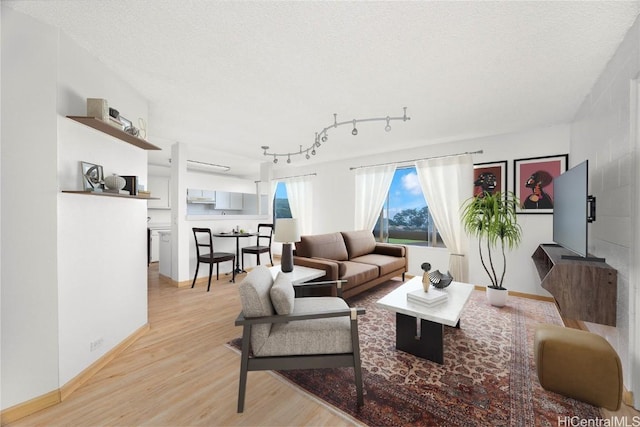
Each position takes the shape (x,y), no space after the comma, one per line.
(115,182)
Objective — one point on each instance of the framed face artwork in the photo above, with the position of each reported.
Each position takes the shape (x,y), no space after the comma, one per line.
(489,177)
(533,182)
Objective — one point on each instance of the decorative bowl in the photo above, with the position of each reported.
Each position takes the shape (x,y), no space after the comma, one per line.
(115,182)
(440,280)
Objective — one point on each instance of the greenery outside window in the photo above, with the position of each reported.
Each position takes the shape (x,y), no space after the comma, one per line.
(405,216)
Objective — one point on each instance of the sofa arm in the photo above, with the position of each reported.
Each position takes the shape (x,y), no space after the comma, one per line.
(330,267)
(390,249)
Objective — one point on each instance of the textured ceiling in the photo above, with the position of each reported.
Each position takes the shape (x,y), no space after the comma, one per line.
(229,77)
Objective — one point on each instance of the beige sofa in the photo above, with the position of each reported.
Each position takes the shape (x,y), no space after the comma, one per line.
(353,256)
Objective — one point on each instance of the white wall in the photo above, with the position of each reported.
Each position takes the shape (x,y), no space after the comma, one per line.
(75,265)
(333,209)
(605,132)
(29,210)
(102,251)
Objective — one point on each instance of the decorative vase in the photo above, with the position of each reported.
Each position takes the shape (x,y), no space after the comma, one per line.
(115,182)
(497,297)
(425,281)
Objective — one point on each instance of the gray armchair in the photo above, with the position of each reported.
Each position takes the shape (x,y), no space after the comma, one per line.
(281,332)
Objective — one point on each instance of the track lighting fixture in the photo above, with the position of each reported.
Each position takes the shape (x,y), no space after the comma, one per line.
(324,136)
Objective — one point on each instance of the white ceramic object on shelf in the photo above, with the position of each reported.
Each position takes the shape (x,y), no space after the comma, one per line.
(115,182)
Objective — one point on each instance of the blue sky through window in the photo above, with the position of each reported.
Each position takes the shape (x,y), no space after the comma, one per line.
(405,191)
(281,191)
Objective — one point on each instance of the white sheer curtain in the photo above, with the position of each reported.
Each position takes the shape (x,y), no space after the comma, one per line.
(300,195)
(446,183)
(372,186)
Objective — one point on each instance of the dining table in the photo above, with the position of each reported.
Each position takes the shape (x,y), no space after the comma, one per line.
(237,236)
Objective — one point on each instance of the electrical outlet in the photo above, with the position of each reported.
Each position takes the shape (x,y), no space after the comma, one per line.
(94,345)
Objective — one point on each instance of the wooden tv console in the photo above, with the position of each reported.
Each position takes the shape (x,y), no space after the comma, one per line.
(583,289)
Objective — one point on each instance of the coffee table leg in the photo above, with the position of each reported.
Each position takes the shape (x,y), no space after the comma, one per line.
(428,345)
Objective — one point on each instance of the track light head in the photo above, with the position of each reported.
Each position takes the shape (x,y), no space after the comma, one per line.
(354,132)
(324,139)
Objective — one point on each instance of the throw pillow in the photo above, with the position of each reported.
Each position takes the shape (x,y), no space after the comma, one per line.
(282,294)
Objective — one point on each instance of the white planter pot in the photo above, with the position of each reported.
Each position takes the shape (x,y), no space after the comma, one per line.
(497,297)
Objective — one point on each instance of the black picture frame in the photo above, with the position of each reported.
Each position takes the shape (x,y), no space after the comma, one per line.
(533,182)
(131,184)
(491,177)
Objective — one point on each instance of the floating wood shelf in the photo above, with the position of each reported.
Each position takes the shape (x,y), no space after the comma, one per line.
(583,289)
(97,124)
(97,193)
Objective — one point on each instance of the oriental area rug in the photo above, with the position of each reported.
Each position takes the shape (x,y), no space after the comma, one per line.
(488,377)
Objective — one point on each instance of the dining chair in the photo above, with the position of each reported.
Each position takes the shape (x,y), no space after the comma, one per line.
(204,239)
(265,232)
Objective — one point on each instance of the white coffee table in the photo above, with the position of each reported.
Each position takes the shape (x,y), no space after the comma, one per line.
(299,275)
(427,342)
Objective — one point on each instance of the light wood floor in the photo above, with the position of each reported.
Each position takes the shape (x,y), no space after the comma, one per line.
(180,373)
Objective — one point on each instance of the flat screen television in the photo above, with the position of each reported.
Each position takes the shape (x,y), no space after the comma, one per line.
(573,210)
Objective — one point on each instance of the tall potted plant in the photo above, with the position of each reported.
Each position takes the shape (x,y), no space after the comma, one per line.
(492,219)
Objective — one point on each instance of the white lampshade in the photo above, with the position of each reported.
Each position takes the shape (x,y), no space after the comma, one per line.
(287,230)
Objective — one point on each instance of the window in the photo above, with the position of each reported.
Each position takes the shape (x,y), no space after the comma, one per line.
(281,207)
(405,216)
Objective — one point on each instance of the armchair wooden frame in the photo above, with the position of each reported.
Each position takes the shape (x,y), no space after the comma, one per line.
(291,362)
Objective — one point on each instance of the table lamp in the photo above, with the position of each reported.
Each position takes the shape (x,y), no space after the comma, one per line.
(287,232)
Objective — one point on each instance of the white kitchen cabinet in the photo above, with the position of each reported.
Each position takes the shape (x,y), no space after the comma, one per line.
(159,188)
(227,200)
(165,253)
(155,246)
(195,195)
(236,201)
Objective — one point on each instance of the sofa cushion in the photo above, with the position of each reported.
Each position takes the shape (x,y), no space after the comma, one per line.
(254,293)
(330,246)
(359,242)
(256,301)
(386,263)
(358,273)
(282,294)
(329,336)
